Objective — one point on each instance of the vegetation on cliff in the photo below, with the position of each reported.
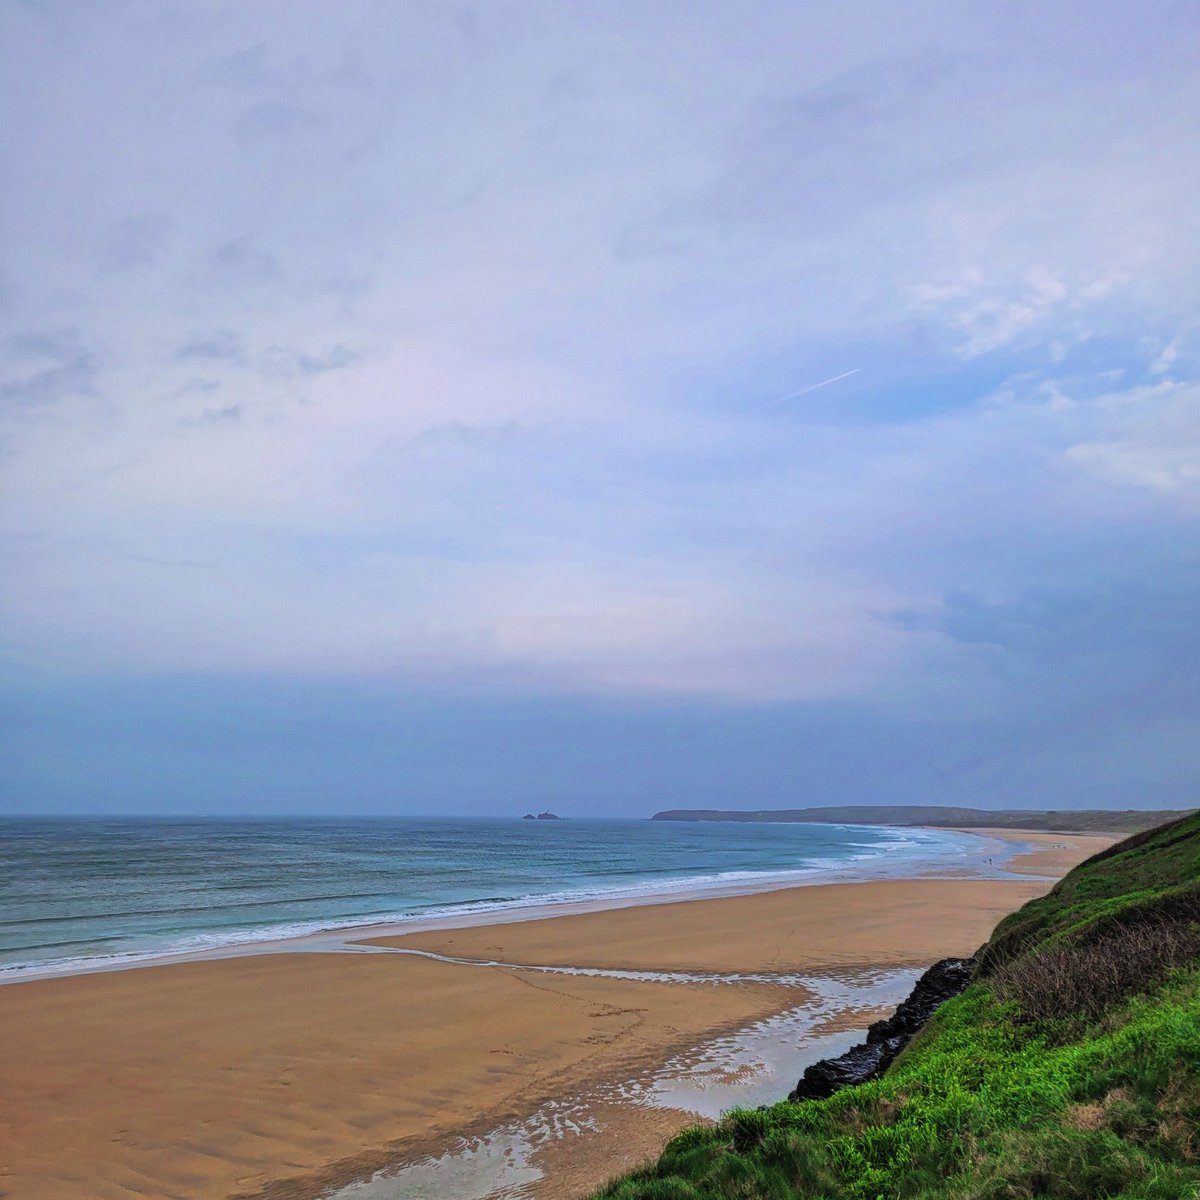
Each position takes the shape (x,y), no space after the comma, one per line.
(1069,1070)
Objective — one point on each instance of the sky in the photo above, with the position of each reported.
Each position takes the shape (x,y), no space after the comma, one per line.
(431,407)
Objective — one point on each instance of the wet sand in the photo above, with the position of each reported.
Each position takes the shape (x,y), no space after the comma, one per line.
(837,926)
(278,1074)
(1052,854)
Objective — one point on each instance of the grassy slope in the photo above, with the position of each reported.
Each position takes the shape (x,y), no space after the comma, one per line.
(1010,1091)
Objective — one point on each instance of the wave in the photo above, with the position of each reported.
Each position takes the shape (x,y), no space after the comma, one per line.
(890,854)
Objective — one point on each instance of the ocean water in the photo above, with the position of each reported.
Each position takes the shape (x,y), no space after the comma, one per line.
(78,893)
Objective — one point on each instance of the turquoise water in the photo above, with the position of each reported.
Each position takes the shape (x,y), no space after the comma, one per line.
(86,892)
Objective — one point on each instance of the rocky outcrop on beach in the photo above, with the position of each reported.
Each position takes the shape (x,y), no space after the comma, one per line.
(886,1038)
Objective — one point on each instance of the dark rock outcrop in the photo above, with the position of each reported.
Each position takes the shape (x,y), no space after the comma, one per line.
(867,1060)
(885,1039)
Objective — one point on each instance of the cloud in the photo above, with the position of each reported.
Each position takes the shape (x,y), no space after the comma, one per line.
(989,322)
(334,360)
(46,367)
(211,416)
(1149,438)
(140,240)
(240,260)
(272,119)
(222,346)
(731,560)
(226,347)
(451,339)
(1137,615)
(391,394)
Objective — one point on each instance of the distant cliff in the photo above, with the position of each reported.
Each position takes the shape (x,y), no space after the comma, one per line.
(1084,820)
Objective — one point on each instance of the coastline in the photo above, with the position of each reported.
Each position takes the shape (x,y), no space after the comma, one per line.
(280,1073)
(970,860)
(1048,854)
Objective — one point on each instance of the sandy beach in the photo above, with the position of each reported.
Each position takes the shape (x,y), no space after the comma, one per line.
(276,1075)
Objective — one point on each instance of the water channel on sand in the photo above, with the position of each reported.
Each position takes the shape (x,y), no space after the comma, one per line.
(755,1065)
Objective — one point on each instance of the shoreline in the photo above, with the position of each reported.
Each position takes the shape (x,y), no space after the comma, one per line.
(279,1074)
(335,936)
(617,1127)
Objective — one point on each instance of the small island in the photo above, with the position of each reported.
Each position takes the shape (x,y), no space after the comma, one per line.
(542,816)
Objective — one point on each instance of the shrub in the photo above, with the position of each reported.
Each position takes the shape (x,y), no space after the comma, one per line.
(1074,983)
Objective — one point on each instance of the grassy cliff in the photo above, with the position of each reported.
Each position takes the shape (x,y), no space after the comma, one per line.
(1069,1069)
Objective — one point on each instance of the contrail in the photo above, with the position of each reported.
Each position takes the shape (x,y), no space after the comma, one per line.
(812,387)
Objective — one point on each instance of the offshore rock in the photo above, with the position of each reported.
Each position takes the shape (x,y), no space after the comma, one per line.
(885,1039)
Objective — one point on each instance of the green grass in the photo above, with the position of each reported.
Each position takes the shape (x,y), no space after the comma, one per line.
(991,1101)
(1149,876)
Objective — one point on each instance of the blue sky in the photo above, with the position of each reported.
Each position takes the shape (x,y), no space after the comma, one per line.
(424,408)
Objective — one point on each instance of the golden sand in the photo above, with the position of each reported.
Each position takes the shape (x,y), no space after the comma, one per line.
(277,1073)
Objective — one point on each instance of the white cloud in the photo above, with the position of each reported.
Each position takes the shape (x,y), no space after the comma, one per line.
(1147,438)
(1164,359)
(427,339)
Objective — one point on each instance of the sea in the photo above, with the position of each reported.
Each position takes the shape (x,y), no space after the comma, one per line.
(87,893)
